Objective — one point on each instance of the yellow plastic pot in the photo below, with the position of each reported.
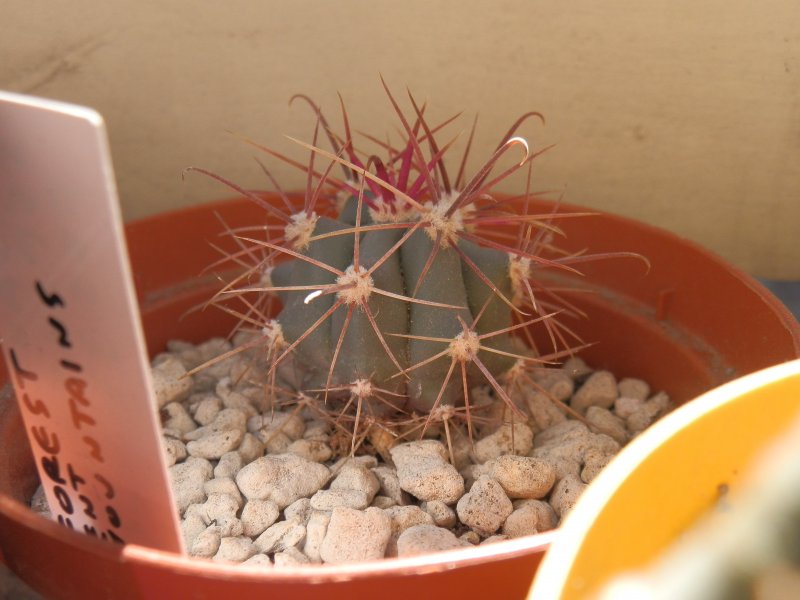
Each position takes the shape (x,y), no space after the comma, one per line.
(666,479)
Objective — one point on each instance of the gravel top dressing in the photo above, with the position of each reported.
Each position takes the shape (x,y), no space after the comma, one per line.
(269,485)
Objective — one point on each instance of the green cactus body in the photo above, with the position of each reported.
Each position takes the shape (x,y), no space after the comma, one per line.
(298,316)
(443,283)
(496,315)
(362,355)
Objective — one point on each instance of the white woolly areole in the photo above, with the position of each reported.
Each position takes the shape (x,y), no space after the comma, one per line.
(274,332)
(358,285)
(519,271)
(464,346)
(361,388)
(443,412)
(440,223)
(300,229)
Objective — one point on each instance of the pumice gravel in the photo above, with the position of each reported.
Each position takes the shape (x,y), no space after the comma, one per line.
(261,485)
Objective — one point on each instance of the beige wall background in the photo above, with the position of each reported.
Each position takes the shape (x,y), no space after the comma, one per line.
(682,113)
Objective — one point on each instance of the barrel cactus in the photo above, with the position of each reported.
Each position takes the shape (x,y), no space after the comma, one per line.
(394,301)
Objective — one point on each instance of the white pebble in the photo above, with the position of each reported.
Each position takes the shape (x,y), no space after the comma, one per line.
(508,439)
(300,509)
(175,416)
(365,460)
(523,521)
(557,383)
(356,536)
(223,485)
(291,557)
(330,499)
(600,389)
(187,479)
(642,418)
(566,494)
(422,539)
(186,352)
(211,349)
(206,543)
(625,406)
(228,464)
(356,476)
(174,450)
(239,402)
(594,462)
(544,412)
(472,472)
(317,430)
(485,507)
(235,549)
(215,443)
(315,450)
(633,388)
(560,433)
(218,507)
(227,419)
(316,528)
(250,449)
(390,484)
(230,526)
(424,472)
(275,442)
(523,476)
(191,526)
(442,515)
(607,422)
(382,502)
(258,560)
(170,381)
(288,423)
(258,515)
(283,479)
(576,368)
(471,537)
(571,440)
(546,517)
(403,517)
(562,466)
(493,539)
(280,536)
(206,408)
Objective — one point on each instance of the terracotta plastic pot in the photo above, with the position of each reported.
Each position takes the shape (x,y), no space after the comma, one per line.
(692,322)
(665,480)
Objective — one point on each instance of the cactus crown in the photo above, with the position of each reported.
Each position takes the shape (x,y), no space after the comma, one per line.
(397,294)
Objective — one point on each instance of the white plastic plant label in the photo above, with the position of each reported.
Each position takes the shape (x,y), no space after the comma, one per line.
(70,328)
